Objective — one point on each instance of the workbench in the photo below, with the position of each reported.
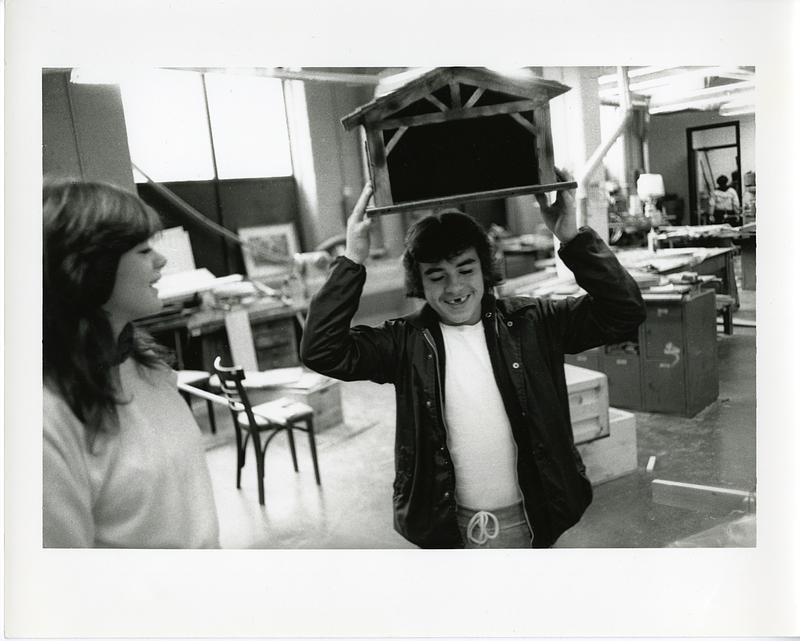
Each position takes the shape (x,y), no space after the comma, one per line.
(704,261)
(198,337)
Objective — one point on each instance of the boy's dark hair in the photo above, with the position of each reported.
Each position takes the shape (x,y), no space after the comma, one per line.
(722,182)
(440,237)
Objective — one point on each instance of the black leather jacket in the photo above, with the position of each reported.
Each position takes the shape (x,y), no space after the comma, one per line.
(527,340)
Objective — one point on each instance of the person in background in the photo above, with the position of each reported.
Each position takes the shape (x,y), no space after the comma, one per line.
(484,451)
(724,204)
(124,465)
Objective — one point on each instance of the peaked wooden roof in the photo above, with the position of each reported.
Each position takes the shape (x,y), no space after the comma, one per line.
(522,84)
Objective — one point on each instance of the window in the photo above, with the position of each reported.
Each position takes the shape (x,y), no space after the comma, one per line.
(170,129)
(167,125)
(248,121)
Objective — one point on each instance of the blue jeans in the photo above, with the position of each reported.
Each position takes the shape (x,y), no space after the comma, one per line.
(505,527)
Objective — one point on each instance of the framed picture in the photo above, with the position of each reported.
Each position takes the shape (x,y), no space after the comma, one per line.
(272,252)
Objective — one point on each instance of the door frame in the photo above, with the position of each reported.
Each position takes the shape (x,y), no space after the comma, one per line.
(693,165)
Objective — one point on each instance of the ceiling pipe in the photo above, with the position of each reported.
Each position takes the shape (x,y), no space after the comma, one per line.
(596,158)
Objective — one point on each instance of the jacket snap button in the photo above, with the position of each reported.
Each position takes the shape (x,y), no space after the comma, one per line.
(428,403)
(488,314)
(515,365)
(510,323)
(429,356)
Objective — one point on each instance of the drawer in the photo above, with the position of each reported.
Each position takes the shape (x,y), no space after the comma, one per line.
(624,379)
(663,327)
(588,403)
(589,429)
(587,392)
(664,386)
(274,334)
(590,359)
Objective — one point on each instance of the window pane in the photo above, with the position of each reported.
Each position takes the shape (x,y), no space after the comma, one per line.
(248,121)
(167,126)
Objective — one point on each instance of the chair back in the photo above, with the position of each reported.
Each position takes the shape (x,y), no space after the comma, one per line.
(230,381)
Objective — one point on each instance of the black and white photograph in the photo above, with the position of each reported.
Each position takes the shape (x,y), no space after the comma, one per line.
(365,337)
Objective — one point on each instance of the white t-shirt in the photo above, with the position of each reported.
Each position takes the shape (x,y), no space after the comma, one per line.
(727,200)
(146,486)
(478,430)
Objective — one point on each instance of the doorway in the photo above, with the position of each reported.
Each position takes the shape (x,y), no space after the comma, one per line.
(713,151)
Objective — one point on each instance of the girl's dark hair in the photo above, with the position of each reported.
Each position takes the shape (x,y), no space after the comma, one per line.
(442,236)
(87,227)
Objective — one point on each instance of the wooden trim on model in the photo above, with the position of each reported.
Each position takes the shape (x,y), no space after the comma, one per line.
(493,194)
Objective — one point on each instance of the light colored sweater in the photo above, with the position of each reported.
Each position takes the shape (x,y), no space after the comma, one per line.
(145,486)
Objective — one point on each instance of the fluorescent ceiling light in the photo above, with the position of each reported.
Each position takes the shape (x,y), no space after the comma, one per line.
(737,111)
(636,72)
(666,97)
(674,76)
(689,104)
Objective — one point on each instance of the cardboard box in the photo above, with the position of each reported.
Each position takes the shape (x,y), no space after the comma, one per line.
(614,455)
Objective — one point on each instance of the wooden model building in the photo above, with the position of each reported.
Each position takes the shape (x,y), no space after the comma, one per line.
(456,134)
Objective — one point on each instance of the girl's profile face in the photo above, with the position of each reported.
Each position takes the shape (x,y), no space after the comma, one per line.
(134,294)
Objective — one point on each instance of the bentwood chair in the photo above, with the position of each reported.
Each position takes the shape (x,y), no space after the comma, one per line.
(264,420)
(198,378)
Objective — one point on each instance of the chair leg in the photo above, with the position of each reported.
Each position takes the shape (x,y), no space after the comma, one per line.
(212,421)
(728,320)
(290,433)
(312,442)
(240,452)
(259,471)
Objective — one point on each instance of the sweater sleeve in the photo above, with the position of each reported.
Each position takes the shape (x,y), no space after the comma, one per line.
(613,307)
(330,346)
(67,501)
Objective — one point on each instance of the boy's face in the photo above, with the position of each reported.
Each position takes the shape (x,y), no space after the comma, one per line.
(454,287)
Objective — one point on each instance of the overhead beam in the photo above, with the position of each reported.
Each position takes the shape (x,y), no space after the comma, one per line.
(290,74)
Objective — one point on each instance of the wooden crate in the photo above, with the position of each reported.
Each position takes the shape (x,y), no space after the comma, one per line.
(325,398)
(588,403)
(319,392)
(615,455)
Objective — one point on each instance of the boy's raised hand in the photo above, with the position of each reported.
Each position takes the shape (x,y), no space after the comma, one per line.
(357,247)
(560,216)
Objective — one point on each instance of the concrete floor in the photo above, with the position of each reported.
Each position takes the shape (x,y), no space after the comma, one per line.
(353,507)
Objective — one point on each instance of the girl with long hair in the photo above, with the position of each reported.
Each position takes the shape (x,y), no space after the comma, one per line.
(124,464)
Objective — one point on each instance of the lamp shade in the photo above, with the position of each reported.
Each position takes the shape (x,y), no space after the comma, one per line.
(650,186)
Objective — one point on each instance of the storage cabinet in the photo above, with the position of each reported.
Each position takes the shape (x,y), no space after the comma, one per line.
(590,359)
(680,362)
(623,368)
(673,367)
(275,343)
(274,339)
